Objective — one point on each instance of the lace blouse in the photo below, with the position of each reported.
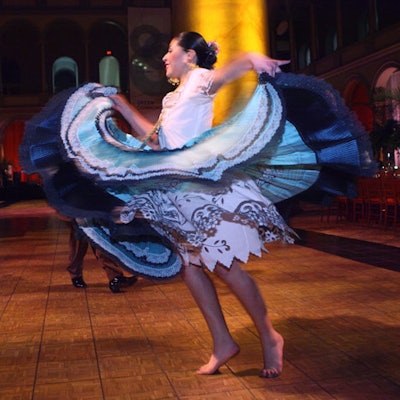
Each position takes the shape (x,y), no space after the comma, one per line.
(187,111)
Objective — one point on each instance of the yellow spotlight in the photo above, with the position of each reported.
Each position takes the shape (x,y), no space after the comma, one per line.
(237,26)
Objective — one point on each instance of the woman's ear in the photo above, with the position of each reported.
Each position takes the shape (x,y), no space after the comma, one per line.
(192,57)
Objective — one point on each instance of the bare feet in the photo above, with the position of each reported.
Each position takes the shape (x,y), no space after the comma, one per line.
(273,358)
(219,358)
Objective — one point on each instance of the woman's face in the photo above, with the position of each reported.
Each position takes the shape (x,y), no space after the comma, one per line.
(176,61)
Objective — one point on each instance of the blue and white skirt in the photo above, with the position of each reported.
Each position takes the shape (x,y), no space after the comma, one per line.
(210,202)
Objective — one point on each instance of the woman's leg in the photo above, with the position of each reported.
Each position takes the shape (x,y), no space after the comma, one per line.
(203,292)
(246,290)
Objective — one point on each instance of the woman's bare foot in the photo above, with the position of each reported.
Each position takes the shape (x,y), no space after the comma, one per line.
(273,358)
(219,358)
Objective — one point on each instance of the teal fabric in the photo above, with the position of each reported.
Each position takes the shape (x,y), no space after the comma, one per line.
(147,258)
(94,147)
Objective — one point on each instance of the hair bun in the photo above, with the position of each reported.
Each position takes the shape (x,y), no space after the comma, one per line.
(214,47)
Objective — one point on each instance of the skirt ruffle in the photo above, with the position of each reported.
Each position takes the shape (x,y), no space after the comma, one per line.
(341,144)
(68,191)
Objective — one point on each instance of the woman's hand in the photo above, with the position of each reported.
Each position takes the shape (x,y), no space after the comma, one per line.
(138,123)
(262,63)
(121,104)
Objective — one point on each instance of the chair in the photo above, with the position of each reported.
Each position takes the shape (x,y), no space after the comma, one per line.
(342,210)
(391,196)
(357,205)
(374,200)
(338,208)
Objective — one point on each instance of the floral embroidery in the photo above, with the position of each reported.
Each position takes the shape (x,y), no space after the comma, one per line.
(212,226)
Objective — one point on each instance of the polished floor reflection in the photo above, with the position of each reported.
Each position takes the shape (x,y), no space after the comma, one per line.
(335,296)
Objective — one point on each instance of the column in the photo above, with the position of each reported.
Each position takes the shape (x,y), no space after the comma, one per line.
(237,26)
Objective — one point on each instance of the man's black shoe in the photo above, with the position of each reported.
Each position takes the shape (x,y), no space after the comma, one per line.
(78,282)
(121,281)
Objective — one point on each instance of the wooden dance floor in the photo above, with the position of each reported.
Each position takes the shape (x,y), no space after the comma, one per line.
(335,297)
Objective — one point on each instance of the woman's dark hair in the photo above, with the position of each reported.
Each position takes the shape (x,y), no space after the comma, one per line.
(206,54)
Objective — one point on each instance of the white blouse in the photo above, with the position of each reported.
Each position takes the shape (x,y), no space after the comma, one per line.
(187,111)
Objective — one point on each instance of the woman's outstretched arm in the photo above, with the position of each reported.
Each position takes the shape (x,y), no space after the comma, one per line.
(243,63)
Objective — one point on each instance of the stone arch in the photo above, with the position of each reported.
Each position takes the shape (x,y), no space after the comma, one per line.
(109,71)
(64,39)
(108,38)
(357,97)
(20,54)
(65,74)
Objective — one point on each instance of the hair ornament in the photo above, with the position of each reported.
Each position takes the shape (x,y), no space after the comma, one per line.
(214,47)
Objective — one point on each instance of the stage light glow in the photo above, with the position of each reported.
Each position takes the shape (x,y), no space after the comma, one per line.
(237,26)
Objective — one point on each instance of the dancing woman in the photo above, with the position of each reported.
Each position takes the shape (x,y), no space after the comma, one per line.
(191,198)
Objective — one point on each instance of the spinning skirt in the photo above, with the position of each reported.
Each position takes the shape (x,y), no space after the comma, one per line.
(211,201)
